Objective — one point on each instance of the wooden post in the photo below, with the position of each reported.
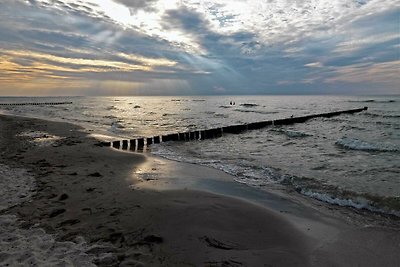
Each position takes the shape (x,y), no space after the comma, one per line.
(140,143)
(132,144)
(187,136)
(116,144)
(125,144)
(149,141)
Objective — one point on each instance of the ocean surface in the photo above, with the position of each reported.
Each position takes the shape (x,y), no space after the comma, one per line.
(348,160)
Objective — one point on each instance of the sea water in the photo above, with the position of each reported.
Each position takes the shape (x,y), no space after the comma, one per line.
(349,160)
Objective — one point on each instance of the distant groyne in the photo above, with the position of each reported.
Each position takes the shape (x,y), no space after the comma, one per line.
(35,104)
(138,144)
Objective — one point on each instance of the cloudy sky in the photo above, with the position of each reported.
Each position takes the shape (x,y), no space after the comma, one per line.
(187,47)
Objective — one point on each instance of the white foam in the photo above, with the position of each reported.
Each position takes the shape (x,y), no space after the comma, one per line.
(259,177)
(33,246)
(242,173)
(40,138)
(116,127)
(356,144)
(16,186)
(359,203)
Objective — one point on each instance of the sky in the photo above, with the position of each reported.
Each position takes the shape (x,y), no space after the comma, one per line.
(194,47)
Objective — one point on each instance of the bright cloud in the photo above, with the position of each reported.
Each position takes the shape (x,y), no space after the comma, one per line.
(242,46)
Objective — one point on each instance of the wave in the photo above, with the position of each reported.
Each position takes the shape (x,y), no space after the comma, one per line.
(249,105)
(385,205)
(219,115)
(291,133)
(373,101)
(261,176)
(256,111)
(356,144)
(109,117)
(115,124)
(370,114)
(116,127)
(111,108)
(168,114)
(334,195)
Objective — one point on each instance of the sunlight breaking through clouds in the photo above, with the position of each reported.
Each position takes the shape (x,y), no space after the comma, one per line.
(381,73)
(243,46)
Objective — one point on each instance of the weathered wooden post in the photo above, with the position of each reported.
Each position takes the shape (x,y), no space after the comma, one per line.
(149,141)
(140,143)
(217,132)
(125,144)
(132,144)
(116,144)
(165,138)
(187,136)
(105,143)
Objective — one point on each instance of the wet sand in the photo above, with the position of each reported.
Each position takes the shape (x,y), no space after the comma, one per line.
(155,212)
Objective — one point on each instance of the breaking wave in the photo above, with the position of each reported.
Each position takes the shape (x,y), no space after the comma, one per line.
(257,176)
(388,205)
(117,125)
(356,144)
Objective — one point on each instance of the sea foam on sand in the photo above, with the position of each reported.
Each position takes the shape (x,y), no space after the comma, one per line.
(40,138)
(33,246)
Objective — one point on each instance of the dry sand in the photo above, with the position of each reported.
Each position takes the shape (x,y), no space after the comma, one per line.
(155,212)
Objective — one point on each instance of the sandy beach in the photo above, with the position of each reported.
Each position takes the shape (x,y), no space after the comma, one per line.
(141,210)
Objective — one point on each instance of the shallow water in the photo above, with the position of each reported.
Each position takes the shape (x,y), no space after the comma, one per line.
(346,160)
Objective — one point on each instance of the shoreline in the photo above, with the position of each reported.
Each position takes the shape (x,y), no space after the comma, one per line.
(157,212)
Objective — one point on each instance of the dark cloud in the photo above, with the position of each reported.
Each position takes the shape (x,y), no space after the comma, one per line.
(135,5)
(186,19)
(231,62)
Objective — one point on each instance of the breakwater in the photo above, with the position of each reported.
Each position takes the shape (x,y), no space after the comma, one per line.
(35,104)
(139,144)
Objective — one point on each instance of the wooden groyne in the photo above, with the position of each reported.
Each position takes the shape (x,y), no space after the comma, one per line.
(35,104)
(139,144)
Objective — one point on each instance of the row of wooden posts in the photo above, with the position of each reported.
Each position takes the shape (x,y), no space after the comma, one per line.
(138,144)
(35,104)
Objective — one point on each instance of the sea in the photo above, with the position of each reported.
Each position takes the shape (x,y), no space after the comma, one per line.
(347,160)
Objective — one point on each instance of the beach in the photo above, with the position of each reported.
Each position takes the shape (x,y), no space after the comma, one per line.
(131,209)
